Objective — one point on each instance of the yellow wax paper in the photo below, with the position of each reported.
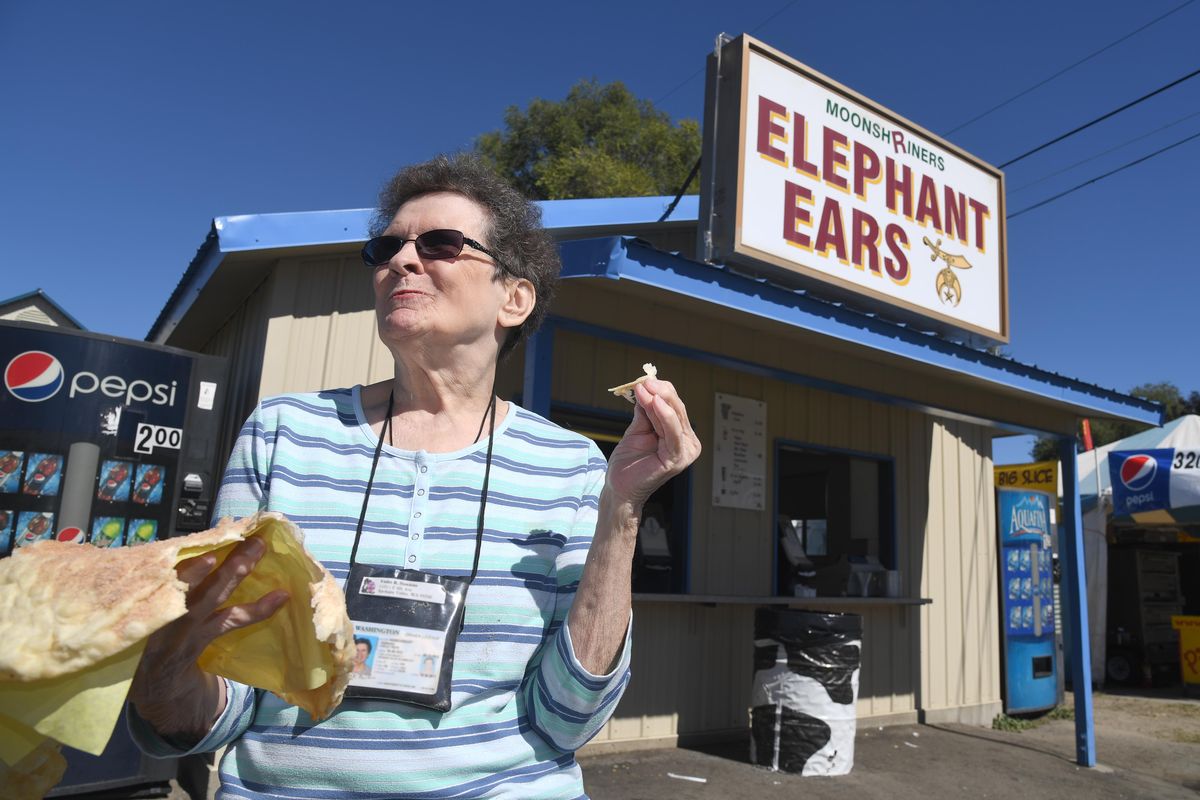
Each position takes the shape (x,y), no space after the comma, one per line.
(16,740)
(284,655)
(80,709)
(303,653)
(35,774)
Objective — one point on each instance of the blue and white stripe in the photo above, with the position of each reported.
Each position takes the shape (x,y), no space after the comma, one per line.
(522,703)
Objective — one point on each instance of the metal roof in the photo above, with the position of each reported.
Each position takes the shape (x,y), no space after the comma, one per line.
(249,232)
(611,255)
(40,293)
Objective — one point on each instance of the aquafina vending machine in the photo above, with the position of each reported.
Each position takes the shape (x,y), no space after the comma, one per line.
(1027,600)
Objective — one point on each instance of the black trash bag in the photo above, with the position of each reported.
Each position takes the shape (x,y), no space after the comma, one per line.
(800,736)
(806,680)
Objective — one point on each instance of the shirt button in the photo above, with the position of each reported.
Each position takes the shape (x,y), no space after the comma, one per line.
(416,536)
(420,492)
(424,469)
(417,515)
(412,559)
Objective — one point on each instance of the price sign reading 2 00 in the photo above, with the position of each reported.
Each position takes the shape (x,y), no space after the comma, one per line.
(147,437)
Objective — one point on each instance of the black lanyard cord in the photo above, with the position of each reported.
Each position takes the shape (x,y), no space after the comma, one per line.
(362,515)
(487,471)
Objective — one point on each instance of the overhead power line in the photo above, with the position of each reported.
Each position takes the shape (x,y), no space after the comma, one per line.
(1102,153)
(1068,68)
(1102,177)
(755,29)
(1099,119)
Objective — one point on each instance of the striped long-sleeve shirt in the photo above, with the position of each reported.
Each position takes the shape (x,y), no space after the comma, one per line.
(522,703)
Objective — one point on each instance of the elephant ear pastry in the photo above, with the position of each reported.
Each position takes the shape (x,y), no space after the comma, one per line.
(74,621)
(626,389)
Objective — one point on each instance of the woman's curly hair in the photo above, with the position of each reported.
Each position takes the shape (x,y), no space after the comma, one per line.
(515,224)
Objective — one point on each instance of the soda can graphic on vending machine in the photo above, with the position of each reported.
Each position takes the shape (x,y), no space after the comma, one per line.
(141,531)
(8,519)
(43,474)
(108,531)
(33,526)
(148,485)
(10,470)
(115,480)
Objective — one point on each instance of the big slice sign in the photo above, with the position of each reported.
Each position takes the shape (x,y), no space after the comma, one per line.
(834,193)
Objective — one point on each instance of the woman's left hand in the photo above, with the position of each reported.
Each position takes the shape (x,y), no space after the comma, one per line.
(658,445)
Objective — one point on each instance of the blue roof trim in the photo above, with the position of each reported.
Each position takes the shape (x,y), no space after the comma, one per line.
(299,229)
(308,228)
(627,259)
(42,294)
(623,212)
(202,267)
(249,232)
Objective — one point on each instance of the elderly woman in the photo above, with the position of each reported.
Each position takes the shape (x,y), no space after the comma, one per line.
(431,480)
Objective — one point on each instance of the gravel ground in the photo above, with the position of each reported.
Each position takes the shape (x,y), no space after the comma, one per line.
(1146,747)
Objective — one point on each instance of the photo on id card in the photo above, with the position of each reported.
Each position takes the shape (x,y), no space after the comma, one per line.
(406,624)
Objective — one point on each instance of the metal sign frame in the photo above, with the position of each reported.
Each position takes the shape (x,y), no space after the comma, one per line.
(720,232)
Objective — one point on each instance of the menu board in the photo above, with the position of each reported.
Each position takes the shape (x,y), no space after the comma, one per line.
(740,460)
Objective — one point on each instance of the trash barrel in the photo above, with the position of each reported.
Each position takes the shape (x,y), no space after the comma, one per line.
(802,716)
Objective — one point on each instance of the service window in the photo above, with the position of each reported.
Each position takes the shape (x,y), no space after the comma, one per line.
(660,561)
(835,525)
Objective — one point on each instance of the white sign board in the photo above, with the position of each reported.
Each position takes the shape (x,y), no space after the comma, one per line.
(740,460)
(845,196)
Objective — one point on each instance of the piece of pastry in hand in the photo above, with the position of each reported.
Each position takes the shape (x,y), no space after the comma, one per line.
(626,389)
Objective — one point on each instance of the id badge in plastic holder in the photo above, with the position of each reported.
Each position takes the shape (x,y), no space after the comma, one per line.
(406,624)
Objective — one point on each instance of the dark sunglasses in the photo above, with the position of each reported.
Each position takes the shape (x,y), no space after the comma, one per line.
(441,244)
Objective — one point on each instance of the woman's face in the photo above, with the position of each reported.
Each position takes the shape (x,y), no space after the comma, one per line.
(447,303)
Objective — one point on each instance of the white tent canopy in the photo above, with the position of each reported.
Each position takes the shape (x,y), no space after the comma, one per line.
(1181,434)
(1093,471)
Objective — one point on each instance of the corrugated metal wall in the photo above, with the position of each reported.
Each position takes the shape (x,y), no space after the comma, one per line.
(322,330)
(242,340)
(946,549)
(692,663)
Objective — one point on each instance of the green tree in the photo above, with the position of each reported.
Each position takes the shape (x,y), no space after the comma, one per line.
(600,141)
(1104,431)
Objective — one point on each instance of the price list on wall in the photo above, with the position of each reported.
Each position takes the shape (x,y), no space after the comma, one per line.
(740,460)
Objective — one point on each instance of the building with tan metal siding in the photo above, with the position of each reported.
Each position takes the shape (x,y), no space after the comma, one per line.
(286,299)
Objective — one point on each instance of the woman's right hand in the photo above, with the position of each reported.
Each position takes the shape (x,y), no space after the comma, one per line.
(169,690)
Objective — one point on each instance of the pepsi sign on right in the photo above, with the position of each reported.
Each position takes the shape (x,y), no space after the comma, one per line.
(1141,479)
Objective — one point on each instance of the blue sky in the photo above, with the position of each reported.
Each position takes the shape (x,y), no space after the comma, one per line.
(130,125)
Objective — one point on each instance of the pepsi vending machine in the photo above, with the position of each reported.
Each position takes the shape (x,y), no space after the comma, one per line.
(1027,601)
(105,442)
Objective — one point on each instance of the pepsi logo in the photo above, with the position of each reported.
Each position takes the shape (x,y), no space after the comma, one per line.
(72,535)
(33,376)
(1138,471)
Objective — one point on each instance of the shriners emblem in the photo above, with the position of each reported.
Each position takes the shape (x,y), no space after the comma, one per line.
(949,290)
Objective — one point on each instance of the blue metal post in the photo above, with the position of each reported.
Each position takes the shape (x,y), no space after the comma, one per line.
(539,363)
(1070,543)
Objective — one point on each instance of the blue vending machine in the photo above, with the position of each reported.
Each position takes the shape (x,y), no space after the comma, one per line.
(1027,595)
